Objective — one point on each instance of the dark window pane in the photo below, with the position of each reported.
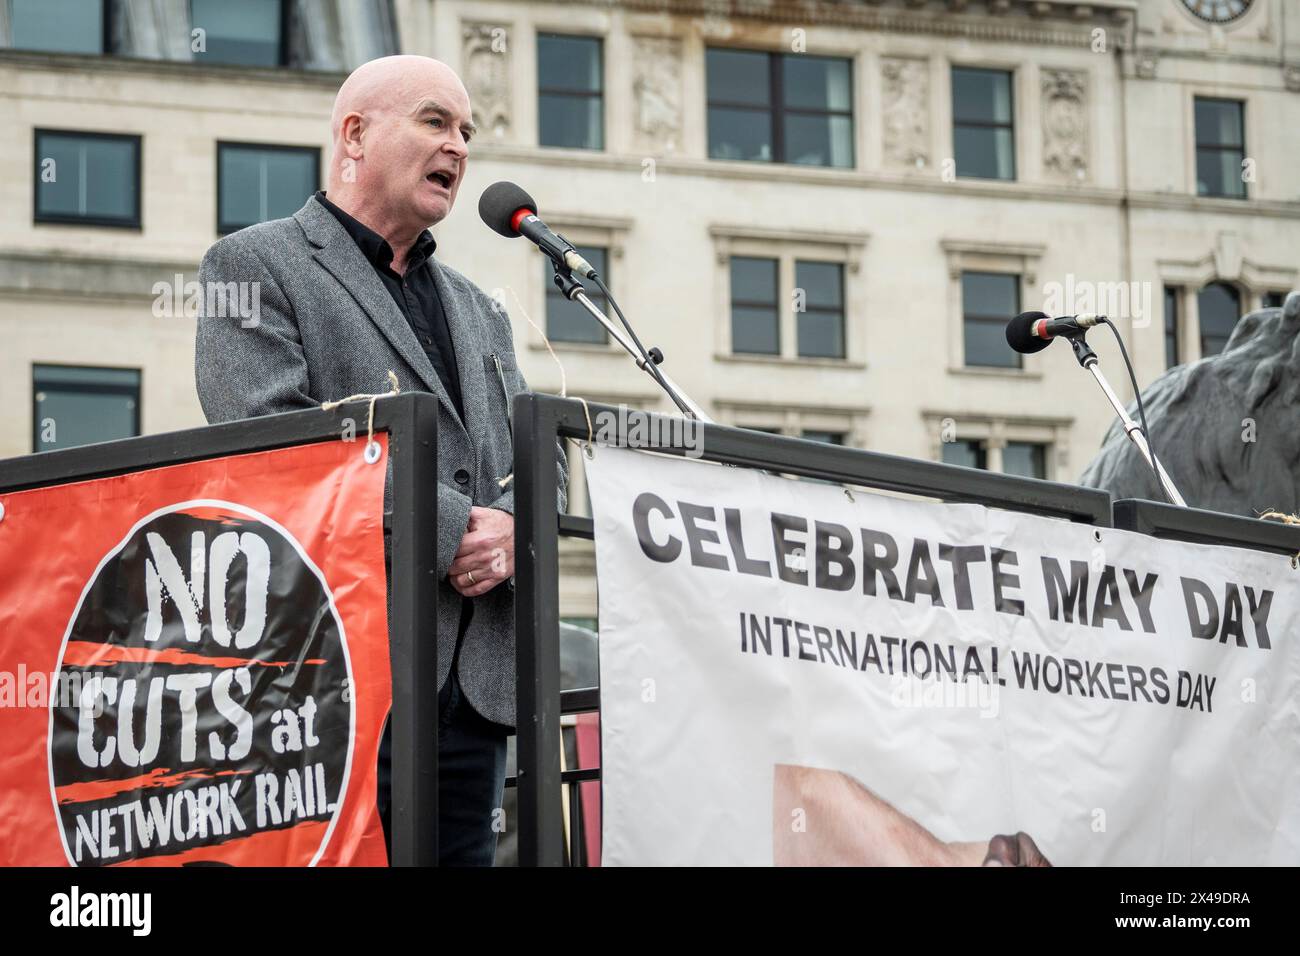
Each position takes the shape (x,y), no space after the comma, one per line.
(740,134)
(568,64)
(63,26)
(981,96)
(1218,173)
(1218,122)
(80,406)
(986,345)
(570,121)
(989,300)
(1171,326)
(983,124)
(829,438)
(990,294)
(818,140)
(966,452)
(753,281)
(984,152)
(567,321)
(90,177)
(754,330)
(1027,459)
(738,76)
(821,334)
(755,321)
(822,283)
(260,183)
(821,324)
(1219,305)
(1273,300)
(816,82)
(242,32)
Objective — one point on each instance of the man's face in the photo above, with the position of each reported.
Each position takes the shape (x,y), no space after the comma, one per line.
(417,150)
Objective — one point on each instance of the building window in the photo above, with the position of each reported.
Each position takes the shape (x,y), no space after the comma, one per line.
(87,178)
(57,26)
(989,300)
(755,319)
(256,183)
(566,320)
(1024,458)
(783,108)
(820,329)
(240,32)
(570,104)
(1219,306)
(1171,326)
(79,406)
(825,437)
(983,124)
(1220,147)
(1273,300)
(966,452)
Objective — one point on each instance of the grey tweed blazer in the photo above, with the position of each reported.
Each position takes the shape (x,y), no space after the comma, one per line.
(328,328)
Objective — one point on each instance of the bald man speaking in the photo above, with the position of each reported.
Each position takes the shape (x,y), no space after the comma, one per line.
(350,288)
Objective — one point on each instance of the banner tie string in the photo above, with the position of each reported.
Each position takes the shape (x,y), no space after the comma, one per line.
(371,452)
(1285,518)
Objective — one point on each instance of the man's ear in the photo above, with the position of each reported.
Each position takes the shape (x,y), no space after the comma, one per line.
(352,131)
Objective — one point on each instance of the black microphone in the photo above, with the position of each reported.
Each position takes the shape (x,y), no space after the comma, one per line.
(511,212)
(1031,332)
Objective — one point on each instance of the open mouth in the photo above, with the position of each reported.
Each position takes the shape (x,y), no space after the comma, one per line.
(442,179)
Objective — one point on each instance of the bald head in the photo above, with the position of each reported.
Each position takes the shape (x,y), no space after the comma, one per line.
(400,129)
(382,83)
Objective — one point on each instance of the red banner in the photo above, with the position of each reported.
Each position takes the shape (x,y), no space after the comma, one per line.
(194,664)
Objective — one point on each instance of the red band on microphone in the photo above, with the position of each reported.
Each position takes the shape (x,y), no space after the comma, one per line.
(518,217)
(1040,329)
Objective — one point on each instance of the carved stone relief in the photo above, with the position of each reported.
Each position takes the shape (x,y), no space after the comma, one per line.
(1065,125)
(905,112)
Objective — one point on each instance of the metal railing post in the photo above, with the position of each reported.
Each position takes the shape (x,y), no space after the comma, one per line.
(537,634)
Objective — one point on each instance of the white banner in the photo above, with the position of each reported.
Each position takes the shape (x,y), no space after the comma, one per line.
(792,676)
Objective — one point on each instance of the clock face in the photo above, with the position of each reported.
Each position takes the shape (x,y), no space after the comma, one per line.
(1218,11)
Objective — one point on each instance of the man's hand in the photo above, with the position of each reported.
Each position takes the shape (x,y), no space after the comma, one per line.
(486,555)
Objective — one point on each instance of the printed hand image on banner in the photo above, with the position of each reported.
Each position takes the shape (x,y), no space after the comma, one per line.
(795,675)
(827,818)
(215,691)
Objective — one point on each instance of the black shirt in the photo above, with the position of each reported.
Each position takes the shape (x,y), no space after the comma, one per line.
(416,295)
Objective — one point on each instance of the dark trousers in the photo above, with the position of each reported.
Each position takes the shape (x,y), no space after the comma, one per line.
(471,774)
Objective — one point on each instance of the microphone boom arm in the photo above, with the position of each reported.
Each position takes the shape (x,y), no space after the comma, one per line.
(1088,359)
(572,289)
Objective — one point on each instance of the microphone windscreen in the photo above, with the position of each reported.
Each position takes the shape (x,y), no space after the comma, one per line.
(1020,334)
(498,205)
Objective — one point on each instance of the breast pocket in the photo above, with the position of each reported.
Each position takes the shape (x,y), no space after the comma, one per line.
(502,385)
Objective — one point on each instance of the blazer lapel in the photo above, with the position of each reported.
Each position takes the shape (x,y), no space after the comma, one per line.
(464,330)
(341,258)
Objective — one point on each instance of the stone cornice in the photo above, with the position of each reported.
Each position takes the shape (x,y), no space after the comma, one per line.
(1054,22)
(82,64)
(784,175)
(52,274)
